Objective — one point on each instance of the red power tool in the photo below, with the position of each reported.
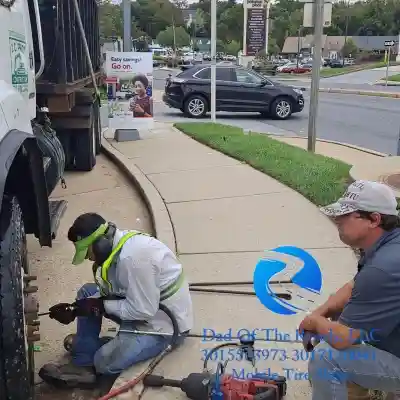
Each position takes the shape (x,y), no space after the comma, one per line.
(206,386)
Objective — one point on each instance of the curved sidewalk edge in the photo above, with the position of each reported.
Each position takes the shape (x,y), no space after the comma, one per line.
(159,213)
(350,146)
(392,95)
(386,170)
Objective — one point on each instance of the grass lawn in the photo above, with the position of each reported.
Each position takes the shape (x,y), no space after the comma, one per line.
(394,78)
(327,72)
(320,179)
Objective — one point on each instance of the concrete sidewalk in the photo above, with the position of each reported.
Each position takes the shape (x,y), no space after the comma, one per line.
(223,216)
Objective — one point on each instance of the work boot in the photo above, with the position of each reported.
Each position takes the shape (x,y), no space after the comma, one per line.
(68,375)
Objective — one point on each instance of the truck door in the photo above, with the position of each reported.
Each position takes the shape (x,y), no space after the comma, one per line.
(17,65)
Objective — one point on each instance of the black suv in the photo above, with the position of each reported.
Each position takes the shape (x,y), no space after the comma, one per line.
(238,90)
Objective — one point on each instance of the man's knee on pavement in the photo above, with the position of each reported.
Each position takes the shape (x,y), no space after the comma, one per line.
(87,290)
(324,364)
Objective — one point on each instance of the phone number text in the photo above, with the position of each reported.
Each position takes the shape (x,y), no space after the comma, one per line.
(237,354)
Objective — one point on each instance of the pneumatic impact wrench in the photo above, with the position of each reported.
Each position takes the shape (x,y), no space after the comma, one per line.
(207,386)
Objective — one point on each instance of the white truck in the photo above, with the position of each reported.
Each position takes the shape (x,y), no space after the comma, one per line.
(49,122)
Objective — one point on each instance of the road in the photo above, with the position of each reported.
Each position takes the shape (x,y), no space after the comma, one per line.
(365,76)
(106,191)
(361,80)
(367,121)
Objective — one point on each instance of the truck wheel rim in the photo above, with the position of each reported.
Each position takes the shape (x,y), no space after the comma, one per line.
(196,107)
(30,317)
(24,316)
(94,140)
(283,109)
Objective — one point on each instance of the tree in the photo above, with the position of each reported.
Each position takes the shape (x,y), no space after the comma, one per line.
(154,16)
(166,37)
(233,48)
(349,49)
(199,18)
(273,48)
(110,19)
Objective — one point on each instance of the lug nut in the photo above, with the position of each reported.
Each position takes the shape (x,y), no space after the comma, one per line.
(31,289)
(30,317)
(30,278)
(33,338)
(31,330)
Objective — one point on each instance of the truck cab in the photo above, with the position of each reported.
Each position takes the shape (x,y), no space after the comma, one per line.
(49,124)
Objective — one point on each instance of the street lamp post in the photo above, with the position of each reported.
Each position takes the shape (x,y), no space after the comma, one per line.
(317,54)
(267,27)
(127,25)
(346,28)
(298,46)
(213,58)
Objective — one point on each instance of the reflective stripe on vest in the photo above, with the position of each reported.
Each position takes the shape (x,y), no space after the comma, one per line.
(171,289)
(165,294)
(107,264)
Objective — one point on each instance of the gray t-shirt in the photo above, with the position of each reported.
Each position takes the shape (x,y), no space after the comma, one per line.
(374,306)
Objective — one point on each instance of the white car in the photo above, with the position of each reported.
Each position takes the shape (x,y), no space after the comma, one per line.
(290,64)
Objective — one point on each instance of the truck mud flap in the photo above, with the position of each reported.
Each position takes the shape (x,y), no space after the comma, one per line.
(57,211)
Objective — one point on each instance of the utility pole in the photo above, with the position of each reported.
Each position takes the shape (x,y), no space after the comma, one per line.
(346,28)
(387,65)
(174,39)
(213,59)
(318,31)
(298,46)
(127,25)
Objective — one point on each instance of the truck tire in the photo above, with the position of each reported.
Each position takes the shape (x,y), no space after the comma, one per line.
(98,127)
(15,364)
(85,145)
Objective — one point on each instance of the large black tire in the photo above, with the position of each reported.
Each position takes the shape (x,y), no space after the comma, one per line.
(85,145)
(15,375)
(196,106)
(98,127)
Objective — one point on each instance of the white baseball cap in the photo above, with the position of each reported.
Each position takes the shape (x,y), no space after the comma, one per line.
(364,196)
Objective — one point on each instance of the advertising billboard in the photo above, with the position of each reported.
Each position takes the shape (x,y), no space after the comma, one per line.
(130,106)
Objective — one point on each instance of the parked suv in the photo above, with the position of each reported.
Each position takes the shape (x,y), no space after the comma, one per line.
(238,89)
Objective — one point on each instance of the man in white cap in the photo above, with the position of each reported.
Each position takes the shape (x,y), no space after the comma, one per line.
(362,345)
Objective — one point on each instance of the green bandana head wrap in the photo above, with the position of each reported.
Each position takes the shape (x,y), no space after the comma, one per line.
(82,245)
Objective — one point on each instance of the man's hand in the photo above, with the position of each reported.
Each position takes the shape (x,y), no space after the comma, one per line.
(63,313)
(309,323)
(90,307)
(308,330)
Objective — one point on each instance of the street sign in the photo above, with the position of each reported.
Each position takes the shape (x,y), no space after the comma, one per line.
(389,43)
(308,16)
(255,36)
(254,4)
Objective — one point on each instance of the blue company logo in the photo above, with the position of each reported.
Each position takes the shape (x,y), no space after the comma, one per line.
(308,279)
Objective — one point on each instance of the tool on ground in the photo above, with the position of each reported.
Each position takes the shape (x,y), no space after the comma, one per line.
(205,336)
(258,388)
(206,386)
(221,386)
(197,287)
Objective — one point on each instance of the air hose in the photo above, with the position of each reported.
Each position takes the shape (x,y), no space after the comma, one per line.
(132,383)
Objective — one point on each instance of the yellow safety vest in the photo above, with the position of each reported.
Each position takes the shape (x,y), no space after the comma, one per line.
(169,291)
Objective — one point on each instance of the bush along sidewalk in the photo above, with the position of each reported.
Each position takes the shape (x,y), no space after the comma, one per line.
(320,179)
